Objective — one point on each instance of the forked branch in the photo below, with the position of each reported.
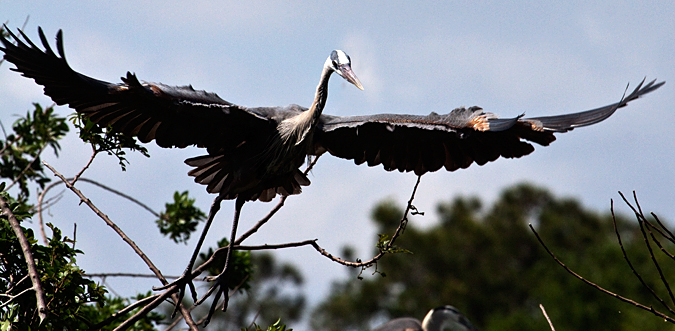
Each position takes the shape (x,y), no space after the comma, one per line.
(645,226)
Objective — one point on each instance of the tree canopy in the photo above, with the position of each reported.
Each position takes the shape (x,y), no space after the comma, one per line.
(485,261)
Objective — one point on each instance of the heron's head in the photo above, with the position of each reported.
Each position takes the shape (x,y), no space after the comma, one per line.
(446,317)
(341,64)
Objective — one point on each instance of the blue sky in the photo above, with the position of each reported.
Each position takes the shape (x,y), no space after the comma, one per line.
(509,58)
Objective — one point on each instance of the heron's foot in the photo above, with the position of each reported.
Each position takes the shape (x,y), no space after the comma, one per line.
(220,287)
(180,283)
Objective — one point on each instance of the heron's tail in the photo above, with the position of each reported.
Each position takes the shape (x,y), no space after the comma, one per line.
(218,175)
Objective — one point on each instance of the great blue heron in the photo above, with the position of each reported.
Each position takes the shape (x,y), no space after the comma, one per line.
(255,153)
(438,319)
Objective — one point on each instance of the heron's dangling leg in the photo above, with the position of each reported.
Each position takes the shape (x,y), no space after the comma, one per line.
(221,280)
(186,278)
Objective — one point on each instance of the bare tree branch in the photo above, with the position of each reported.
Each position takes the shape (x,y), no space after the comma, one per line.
(110,223)
(630,264)
(25,169)
(28,256)
(127,309)
(40,204)
(127,274)
(136,249)
(12,297)
(274,210)
(599,288)
(669,235)
(86,166)
(543,311)
(641,220)
(387,247)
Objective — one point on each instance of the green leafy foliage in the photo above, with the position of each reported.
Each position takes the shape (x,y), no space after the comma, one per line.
(384,240)
(487,263)
(106,140)
(277,326)
(20,150)
(113,305)
(180,218)
(66,288)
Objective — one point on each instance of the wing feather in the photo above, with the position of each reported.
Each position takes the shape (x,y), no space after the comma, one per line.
(174,116)
(454,140)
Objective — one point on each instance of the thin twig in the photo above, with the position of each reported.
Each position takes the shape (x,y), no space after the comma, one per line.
(28,256)
(278,246)
(641,220)
(40,203)
(110,223)
(670,235)
(652,226)
(388,246)
(30,164)
(274,210)
(599,288)
(543,310)
(127,274)
(9,142)
(125,310)
(630,264)
(133,245)
(123,195)
(262,221)
(86,166)
(12,297)
(12,286)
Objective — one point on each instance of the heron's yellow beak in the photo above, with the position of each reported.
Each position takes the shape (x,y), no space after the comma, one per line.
(346,72)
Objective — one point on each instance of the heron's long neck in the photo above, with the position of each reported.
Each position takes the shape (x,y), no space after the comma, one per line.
(321,94)
(297,128)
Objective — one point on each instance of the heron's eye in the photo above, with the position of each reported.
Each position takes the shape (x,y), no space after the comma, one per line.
(335,64)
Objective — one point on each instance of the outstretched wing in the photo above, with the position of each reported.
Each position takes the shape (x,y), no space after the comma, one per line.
(454,140)
(172,116)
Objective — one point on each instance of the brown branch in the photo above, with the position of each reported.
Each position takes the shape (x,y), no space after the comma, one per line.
(133,245)
(12,286)
(86,180)
(12,297)
(630,264)
(262,221)
(670,235)
(158,299)
(278,246)
(274,210)
(86,166)
(658,243)
(9,142)
(125,310)
(110,223)
(387,247)
(127,274)
(641,220)
(599,288)
(30,164)
(28,256)
(312,242)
